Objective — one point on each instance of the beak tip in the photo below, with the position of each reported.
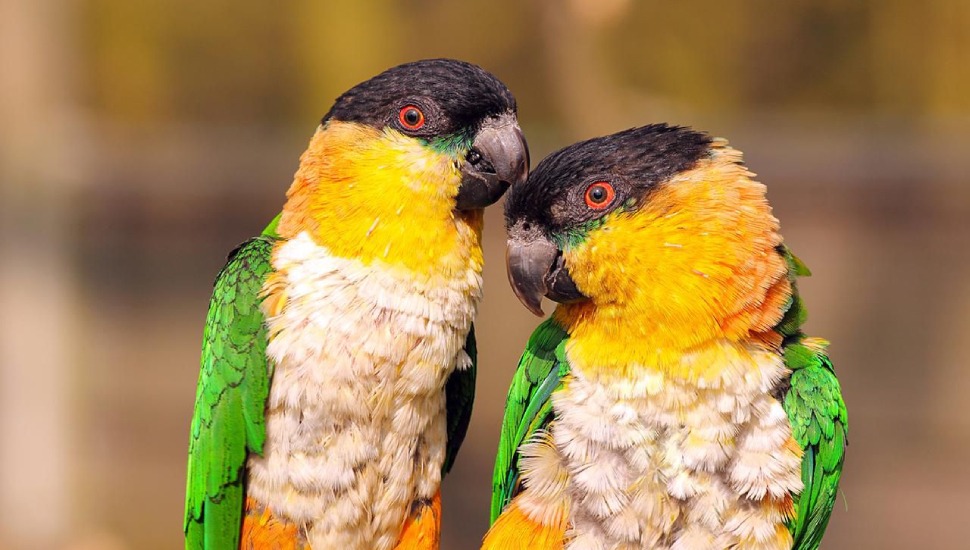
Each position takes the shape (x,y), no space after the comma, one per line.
(527,261)
(533,304)
(532,301)
(520,174)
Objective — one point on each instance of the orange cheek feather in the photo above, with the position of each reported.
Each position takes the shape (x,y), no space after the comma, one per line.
(381,196)
(696,263)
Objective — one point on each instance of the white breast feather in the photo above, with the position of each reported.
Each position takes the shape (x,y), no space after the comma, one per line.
(355,418)
(659,462)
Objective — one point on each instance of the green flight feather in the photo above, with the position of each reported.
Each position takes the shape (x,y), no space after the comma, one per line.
(459,397)
(229,419)
(528,408)
(816,410)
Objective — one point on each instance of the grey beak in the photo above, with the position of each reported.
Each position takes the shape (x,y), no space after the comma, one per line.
(499,157)
(527,263)
(536,269)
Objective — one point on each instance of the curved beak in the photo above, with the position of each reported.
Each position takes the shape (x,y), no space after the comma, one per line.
(536,269)
(499,157)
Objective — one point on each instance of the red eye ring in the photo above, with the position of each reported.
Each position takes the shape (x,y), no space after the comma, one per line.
(411,117)
(599,195)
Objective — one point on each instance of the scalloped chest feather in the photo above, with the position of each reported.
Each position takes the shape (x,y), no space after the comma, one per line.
(355,420)
(655,461)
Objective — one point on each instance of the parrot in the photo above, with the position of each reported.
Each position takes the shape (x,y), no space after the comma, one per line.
(671,400)
(339,360)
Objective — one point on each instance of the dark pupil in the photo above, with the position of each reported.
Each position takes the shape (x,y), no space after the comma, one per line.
(597,194)
(411,116)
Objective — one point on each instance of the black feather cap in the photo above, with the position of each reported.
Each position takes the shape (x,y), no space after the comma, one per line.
(633,161)
(454,96)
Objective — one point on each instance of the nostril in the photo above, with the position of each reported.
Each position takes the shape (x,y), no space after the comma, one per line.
(526,226)
(480,163)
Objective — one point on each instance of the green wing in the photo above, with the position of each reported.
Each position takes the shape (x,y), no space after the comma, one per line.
(459,397)
(813,401)
(228,422)
(528,407)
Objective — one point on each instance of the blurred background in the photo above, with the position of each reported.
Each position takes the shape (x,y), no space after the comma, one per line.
(141,141)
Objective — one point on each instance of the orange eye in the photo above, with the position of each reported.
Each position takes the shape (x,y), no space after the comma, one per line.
(599,195)
(411,117)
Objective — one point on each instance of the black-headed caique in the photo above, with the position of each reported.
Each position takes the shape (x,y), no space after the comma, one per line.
(672,400)
(338,361)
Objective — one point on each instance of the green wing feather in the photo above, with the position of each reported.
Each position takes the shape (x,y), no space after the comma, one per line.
(813,401)
(459,397)
(528,407)
(229,418)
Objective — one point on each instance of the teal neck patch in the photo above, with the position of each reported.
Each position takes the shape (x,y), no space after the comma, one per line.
(456,144)
(576,235)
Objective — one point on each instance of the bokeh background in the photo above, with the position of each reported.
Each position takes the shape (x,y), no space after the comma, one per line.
(141,141)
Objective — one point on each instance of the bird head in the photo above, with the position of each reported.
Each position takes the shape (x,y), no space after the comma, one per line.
(413,151)
(657,234)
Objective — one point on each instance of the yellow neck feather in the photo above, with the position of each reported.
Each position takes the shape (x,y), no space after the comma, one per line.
(382,196)
(694,269)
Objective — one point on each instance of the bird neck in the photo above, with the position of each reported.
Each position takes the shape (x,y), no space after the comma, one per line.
(380,196)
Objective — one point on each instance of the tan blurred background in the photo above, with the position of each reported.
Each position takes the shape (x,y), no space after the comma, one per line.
(142,140)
